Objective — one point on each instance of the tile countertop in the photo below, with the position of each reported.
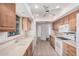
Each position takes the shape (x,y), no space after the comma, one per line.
(17,49)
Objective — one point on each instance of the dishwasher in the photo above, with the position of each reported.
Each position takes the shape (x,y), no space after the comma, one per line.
(59,46)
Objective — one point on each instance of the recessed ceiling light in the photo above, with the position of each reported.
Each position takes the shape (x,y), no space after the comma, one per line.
(57,6)
(36,6)
(37,14)
(50,15)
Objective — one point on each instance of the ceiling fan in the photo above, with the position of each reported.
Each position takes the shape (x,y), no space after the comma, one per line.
(49,10)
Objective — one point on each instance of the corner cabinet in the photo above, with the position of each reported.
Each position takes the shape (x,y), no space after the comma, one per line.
(26,24)
(7,17)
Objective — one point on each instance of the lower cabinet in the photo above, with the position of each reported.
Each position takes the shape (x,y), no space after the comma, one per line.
(52,41)
(69,50)
(29,51)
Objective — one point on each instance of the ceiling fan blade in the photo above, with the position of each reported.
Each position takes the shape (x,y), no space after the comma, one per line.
(54,9)
(45,7)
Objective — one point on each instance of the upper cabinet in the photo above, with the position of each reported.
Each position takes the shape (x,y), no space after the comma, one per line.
(65,20)
(26,24)
(69,19)
(7,17)
(72,21)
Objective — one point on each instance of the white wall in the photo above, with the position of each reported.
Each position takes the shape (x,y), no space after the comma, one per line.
(38,30)
(77,34)
(3,36)
(43,30)
(33,29)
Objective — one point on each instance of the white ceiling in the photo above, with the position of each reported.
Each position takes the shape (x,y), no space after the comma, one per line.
(41,11)
(40,14)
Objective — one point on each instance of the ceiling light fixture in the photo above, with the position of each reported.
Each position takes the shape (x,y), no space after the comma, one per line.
(50,15)
(36,6)
(37,15)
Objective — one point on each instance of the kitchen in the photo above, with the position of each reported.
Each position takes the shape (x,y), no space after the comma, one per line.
(24,25)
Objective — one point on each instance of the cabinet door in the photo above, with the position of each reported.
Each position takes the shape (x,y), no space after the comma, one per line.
(72,22)
(52,42)
(25,24)
(30,50)
(65,20)
(11,6)
(56,26)
(53,25)
(7,18)
(61,21)
(29,24)
(69,50)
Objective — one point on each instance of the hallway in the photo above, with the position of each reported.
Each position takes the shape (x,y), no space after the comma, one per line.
(43,48)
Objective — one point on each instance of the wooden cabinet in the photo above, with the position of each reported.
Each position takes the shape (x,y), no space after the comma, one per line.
(52,41)
(7,17)
(72,21)
(60,22)
(29,24)
(26,24)
(69,19)
(69,50)
(28,51)
(55,25)
(65,20)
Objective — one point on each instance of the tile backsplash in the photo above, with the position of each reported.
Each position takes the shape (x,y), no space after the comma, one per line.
(3,36)
(71,36)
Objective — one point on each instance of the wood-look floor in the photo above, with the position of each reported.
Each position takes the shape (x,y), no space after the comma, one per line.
(43,48)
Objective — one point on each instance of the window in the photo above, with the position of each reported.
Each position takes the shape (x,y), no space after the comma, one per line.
(17,27)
